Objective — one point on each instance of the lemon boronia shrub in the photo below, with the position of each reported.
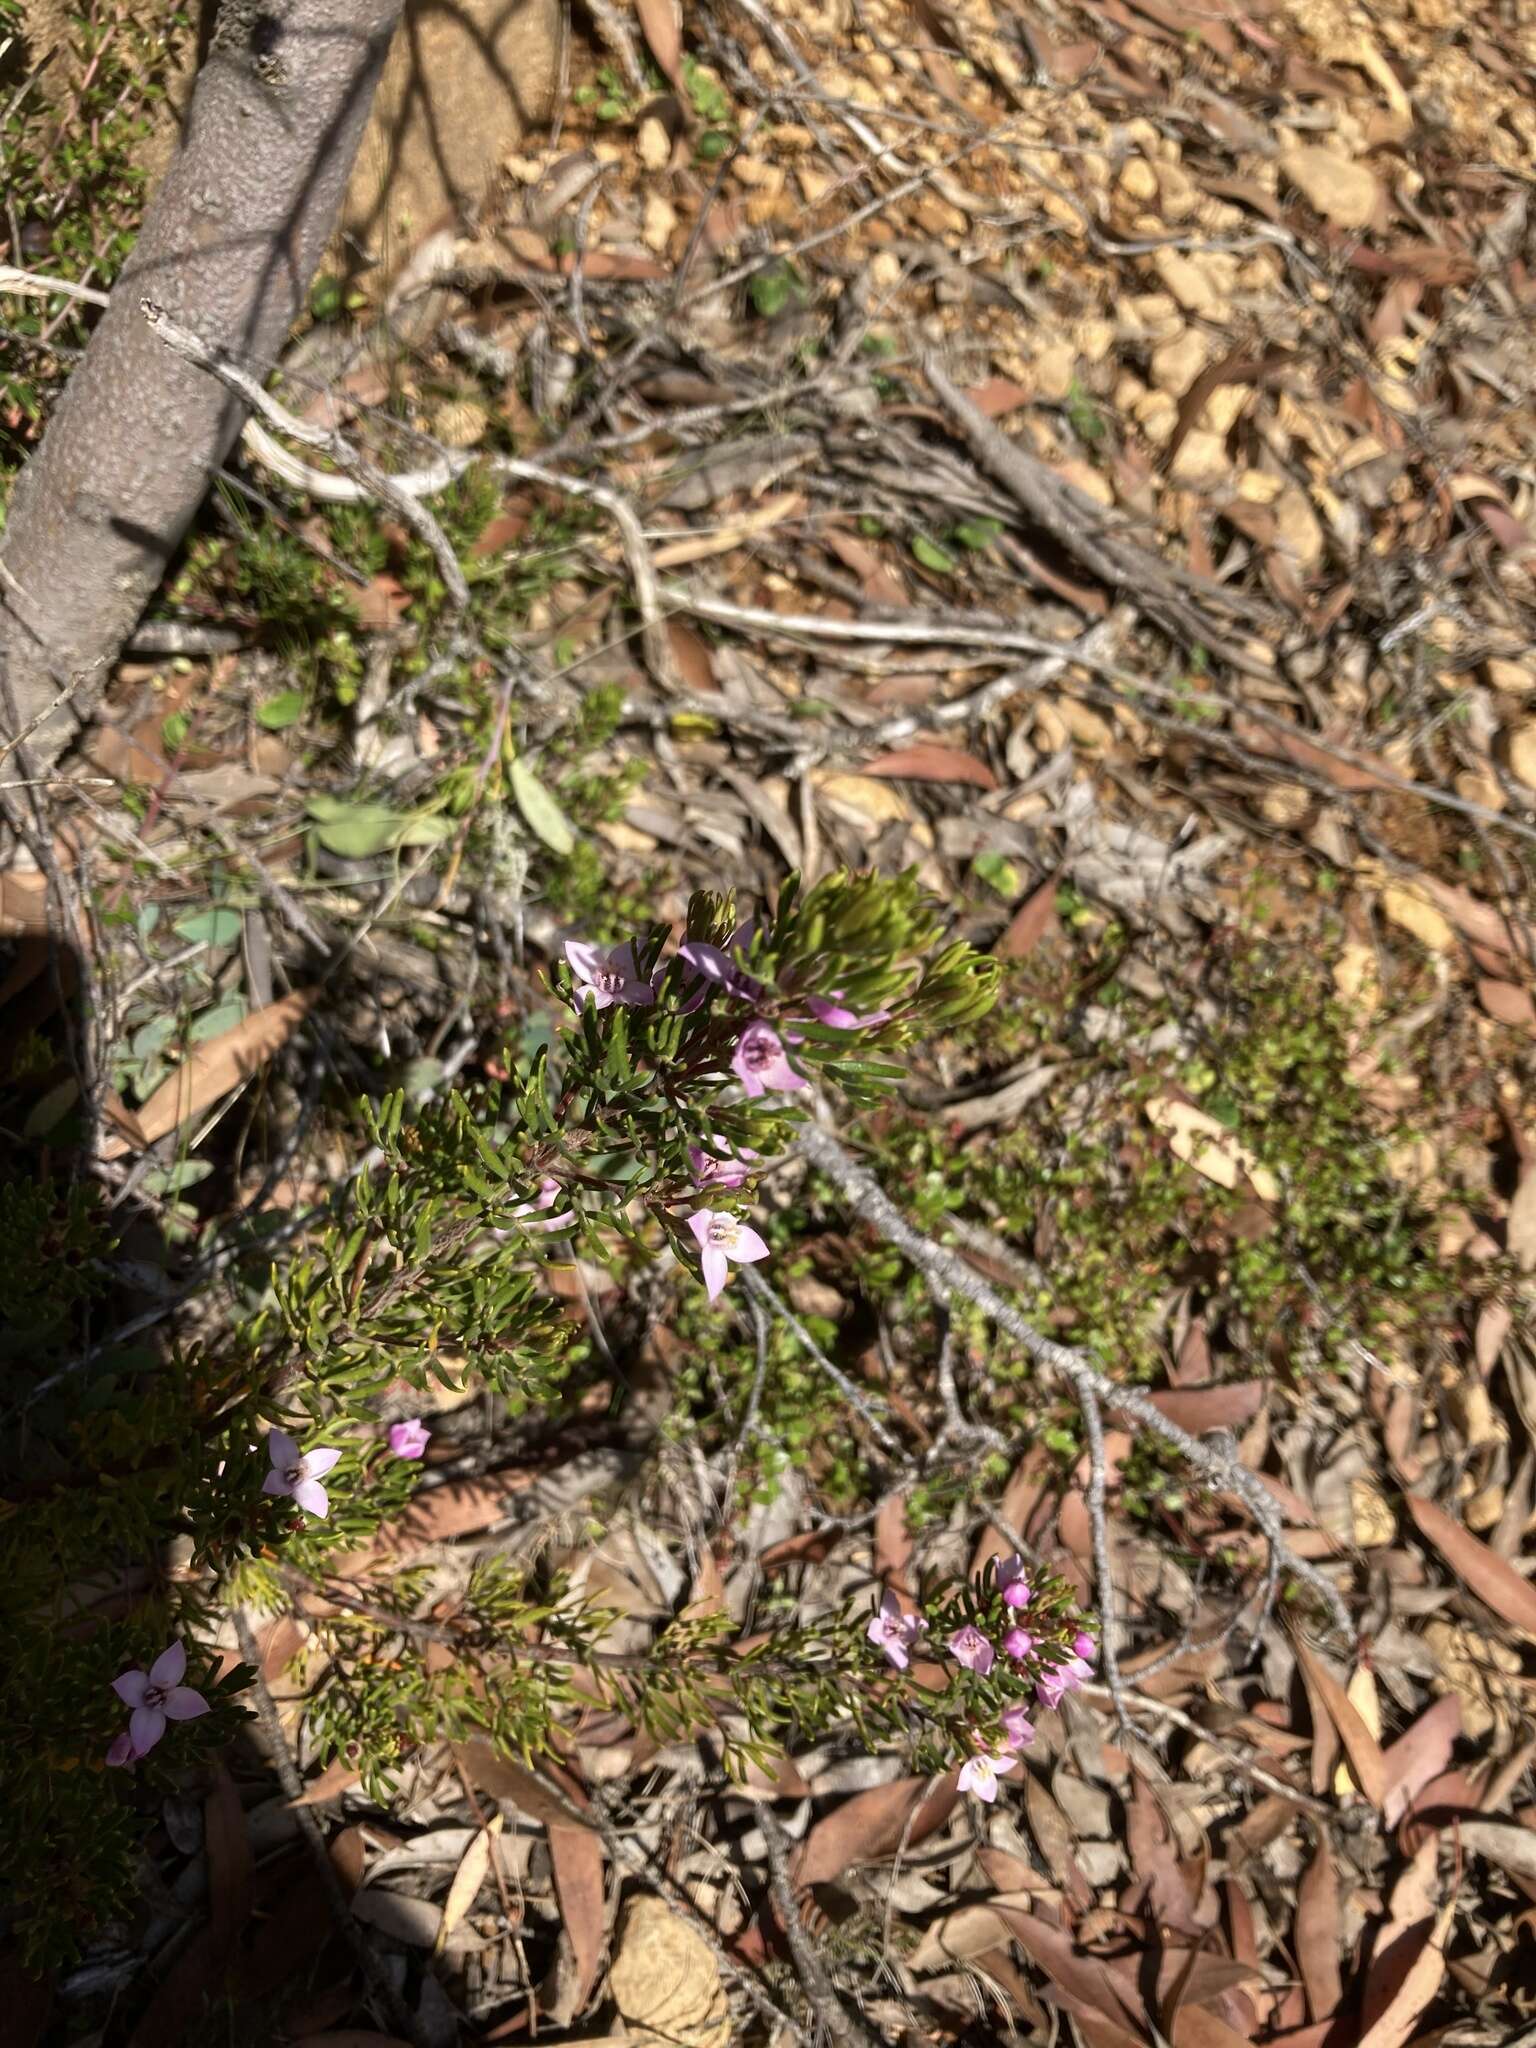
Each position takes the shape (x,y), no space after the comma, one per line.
(247,1469)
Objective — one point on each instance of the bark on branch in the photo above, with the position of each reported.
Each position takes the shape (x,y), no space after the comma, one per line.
(230,244)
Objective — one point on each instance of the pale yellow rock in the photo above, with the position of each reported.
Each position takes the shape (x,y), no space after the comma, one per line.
(1085,725)
(1357,978)
(653,145)
(1177,362)
(1050,730)
(1285,804)
(1478,1668)
(1157,416)
(1259,487)
(1202,459)
(871,799)
(1300,533)
(814,185)
(659,220)
(1371,1515)
(1138,180)
(1055,368)
(885,270)
(1517,678)
(1345,193)
(1093,339)
(1090,481)
(1149,316)
(1481,786)
(758,174)
(1194,281)
(1128,392)
(1415,914)
(1177,193)
(665,1981)
(1224,407)
(461,424)
(1522,753)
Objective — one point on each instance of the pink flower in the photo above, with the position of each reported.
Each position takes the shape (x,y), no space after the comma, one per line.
(829,1010)
(760,1061)
(721,1238)
(296,1475)
(607,976)
(409,1439)
(1018,1729)
(1012,1582)
(968,1646)
(1084,1646)
(156,1696)
(716,963)
(122,1755)
(1064,1678)
(719,1169)
(1018,1642)
(894,1632)
(981,1773)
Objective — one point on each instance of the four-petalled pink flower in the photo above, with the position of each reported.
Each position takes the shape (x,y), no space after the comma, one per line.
(721,1238)
(607,974)
(968,1646)
(1018,1729)
(719,1168)
(979,1774)
(1011,1581)
(298,1475)
(760,1061)
(1064,1678)
(409,1439)
(1018,1642)
(894,1632)
(155,1696)
(832,1010)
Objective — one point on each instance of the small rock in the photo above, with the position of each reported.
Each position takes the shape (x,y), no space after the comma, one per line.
(1516,678)
(660,218)
(1054,370)
(1522,753)
(1481,786)
(1285,804)
(1202,459)
(1298,529)
(653,145)
(1175,364)
(461,424)
(885,270)
(1085,725)
(1405,907)
(1138,180)
(1345,193)
(1194,281)
(1178,195)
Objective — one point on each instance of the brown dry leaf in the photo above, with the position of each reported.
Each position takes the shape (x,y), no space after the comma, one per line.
(930,761)
(1419,1755)
(968,1932)
(576,1855)
(1520,1227)
(467,1880)
(331,1783)
(661,23)
(1209,1147)
(665,1980)
(1507,1004)
(503,1779)
(1395,2026)
(1495,1582)
(1201,1408)
(1360,1745)
(1495,1320)
(228,1844)
(1087,1985)
(871,1825)
(1361,1694)
(1053,1831)
(207,1074)
(458,1509)
(1029,923)
(1317,1934)
(1194,2027)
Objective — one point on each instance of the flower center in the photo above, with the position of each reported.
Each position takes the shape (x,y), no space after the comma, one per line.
(294,1474)
(607,980)
(154,1696)
(722,1233)
(757,1054)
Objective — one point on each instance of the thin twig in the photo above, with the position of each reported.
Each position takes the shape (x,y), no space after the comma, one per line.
(1214,1458)
(375,482)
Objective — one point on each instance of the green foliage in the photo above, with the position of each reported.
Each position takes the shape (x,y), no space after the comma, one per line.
(427,1271)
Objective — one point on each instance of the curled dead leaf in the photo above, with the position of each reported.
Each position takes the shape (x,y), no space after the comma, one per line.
(1209,1147)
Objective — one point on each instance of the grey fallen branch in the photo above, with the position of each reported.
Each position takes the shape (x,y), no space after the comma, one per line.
(372,481)
(1214,1458)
